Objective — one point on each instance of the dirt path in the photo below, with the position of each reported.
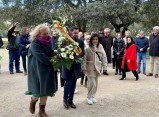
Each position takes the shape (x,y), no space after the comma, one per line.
(128,98)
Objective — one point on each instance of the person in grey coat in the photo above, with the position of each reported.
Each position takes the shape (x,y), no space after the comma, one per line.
(93,63)
(41,80)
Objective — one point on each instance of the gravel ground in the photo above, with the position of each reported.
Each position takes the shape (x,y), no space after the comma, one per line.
(127,98)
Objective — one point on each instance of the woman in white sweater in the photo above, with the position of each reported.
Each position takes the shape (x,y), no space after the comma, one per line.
(93,63)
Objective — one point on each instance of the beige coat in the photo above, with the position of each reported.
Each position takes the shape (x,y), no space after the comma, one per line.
(91,62)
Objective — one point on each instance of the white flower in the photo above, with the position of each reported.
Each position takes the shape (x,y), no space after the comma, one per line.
(61,38)
(62,49)
(71,56)
(70,48)
(55,51)
(63,55)
(75,43)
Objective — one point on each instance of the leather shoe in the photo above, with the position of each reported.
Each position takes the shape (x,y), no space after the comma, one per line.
(19,71)
(150,74)
(72,105)
(65,104)
(105,73)
(11,72)
(156,75)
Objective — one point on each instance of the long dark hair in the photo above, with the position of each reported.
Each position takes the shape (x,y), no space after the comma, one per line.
(129,44)
(91,40)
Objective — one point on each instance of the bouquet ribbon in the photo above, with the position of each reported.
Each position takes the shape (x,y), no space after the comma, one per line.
(78,50)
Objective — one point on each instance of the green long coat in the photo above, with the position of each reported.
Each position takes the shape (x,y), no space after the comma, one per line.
(41,80)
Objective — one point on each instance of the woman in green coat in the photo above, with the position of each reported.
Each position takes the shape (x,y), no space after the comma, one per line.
(41,80)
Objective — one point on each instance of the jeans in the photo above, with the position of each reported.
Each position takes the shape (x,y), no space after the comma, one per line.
(141,56)
(24,63)
(69,89)
(14,56)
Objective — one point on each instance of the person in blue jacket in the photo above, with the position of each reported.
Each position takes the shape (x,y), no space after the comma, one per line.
(24,44)
(142,44)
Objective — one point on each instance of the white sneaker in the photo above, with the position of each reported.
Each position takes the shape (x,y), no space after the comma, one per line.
(94,100)
(62,89)
(89,101)
(76,91)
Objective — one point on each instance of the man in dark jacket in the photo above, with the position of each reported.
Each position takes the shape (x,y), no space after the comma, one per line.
(118,52)
(107,42)
(154,52)
(142,45)
(13,50)
(71,76)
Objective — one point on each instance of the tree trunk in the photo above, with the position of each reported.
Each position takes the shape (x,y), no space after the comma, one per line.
(82,24)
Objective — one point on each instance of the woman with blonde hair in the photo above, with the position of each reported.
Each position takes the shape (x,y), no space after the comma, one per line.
(41,80)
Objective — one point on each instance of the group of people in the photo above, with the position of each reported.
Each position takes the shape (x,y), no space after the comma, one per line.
(97,51)
(18,45)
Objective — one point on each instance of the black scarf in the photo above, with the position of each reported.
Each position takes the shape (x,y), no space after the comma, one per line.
(128,45)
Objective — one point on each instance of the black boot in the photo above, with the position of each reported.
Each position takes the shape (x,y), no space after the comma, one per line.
(122,78)
(65,104)
(105,72)
(136,74)
(71,104)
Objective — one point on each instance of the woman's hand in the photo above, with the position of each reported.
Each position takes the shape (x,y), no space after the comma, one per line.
(118,53)
(128,61)
(28,46)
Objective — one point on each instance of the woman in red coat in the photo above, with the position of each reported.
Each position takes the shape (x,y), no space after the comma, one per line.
(129,62)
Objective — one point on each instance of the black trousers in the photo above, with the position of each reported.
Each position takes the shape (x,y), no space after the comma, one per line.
(114,62)
(133,71)
(118,65)
(83,76)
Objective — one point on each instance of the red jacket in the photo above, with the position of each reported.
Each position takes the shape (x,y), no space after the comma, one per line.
(130,54)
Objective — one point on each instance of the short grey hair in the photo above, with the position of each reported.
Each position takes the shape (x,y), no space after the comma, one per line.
(127,32)
(142,32)
(107,30)
(156,27)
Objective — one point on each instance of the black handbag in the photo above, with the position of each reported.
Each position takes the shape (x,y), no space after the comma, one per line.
(24,52)
(10,46)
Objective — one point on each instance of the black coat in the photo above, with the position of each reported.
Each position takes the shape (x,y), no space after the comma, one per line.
(107,43)
(154,45)
(118,46)
(12,39)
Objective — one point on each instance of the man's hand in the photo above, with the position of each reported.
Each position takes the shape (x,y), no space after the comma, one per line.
(141,49)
